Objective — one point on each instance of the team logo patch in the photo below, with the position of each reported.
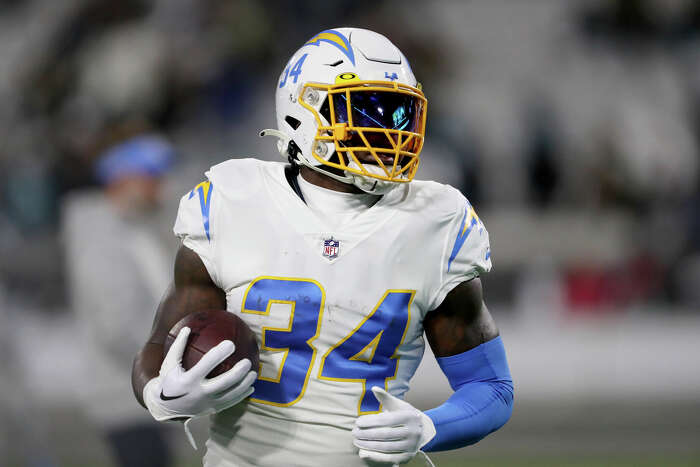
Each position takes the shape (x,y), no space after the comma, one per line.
(331,248)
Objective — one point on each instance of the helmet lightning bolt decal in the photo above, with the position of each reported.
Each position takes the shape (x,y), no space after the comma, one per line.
(336,39)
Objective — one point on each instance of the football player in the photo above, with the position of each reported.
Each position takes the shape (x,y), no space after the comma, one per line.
(340,262)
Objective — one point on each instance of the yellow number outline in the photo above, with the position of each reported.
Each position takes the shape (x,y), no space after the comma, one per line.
(264,329)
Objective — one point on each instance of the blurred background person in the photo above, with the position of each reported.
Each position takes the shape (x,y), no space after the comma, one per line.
(118,264)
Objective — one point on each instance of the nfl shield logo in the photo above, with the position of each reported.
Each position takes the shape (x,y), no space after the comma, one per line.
(331,248)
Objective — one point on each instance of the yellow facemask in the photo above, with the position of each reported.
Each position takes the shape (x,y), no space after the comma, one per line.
(377,127)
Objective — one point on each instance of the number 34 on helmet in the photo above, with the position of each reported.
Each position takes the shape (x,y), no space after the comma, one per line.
(348,106)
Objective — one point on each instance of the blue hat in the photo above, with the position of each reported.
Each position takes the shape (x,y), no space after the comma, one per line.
(143,155)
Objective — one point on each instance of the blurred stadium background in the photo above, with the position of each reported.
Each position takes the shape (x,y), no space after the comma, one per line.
(573,127)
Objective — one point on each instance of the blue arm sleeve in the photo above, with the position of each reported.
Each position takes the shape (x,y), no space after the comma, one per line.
(482,401)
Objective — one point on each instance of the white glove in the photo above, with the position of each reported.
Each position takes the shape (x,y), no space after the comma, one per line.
(396,434)
(176,393)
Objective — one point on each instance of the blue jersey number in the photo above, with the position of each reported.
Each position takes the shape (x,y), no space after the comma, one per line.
(366,355)
(306,297)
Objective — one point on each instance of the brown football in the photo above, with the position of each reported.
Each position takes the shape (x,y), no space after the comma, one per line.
(208,328)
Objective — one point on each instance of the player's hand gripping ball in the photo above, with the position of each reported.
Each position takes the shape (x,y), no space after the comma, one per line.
(207,330)
(210,365)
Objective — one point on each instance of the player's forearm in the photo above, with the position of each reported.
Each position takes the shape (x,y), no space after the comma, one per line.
(483,398)
(470,414)
(146,365)
(193,290)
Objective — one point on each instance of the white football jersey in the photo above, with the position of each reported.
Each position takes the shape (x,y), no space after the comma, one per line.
(336,310)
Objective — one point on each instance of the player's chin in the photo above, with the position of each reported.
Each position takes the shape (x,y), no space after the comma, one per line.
(368,158)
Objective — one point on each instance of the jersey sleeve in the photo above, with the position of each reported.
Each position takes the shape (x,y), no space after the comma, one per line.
(466,253)
(195,224)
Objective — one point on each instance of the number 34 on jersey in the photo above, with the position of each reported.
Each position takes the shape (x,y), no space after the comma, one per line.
(366,355)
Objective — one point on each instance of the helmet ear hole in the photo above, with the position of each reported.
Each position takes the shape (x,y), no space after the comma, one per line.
(293,122)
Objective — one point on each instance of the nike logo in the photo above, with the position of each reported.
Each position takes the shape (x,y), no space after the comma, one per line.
(168,398)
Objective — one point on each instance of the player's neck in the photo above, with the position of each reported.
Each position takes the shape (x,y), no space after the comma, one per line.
(317,178)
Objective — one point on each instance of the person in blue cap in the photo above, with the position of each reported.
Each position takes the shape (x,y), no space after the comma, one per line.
(118,263)
(131,171)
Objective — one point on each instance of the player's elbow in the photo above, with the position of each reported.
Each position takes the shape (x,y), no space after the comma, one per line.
(504,392)
(497,413)
(136,379)
(145,367)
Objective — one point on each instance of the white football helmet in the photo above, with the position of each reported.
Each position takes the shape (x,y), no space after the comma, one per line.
(348,106)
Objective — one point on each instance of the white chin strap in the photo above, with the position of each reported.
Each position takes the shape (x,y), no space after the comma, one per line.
(367,184)
(370,184)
